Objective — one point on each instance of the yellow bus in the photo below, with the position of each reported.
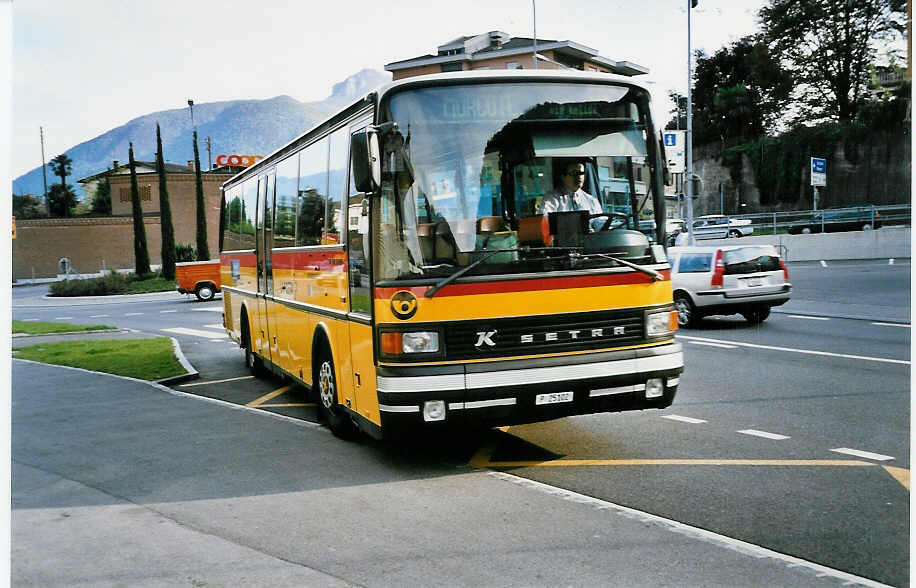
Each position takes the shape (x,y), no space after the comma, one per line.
(421,258)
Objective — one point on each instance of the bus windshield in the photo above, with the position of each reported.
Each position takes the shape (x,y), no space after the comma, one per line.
(532,177)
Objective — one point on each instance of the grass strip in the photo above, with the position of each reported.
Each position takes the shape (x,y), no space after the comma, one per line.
(145,359)
(45,328)
(156,284)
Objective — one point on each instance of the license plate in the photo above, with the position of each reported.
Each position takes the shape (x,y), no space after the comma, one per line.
(755,281)
(553,398)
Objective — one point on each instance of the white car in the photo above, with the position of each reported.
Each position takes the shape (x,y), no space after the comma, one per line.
(718,226)
(737,279)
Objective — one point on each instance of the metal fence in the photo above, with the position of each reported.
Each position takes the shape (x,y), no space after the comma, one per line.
(829,219)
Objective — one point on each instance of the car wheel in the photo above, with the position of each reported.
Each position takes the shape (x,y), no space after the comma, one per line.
(806,231)
(686,311)
(734,233)
(204,292)
(755,316)
(252,361)
(326,383)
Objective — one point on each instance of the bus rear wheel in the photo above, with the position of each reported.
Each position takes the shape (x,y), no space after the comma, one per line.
(325,382)
(252,361)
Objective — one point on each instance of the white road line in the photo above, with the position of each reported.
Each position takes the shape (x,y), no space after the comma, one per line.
(63,318)
(683,419)
(890,261)
(823,263)
(863,454)
(808,318)
(133,313)
(708,344)
(165,311)
(99,315)
(216,326)
(29,320)
(904,325)
(764,434)
(215,309)
(803,351)
(195,333)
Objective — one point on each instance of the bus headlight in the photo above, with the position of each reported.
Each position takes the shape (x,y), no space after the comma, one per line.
(661,323)
(420,342)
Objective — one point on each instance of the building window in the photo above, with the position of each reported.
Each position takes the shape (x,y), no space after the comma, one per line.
(451,67)
(145,194)
(514,65)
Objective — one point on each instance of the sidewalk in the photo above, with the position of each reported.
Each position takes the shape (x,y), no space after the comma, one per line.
(142,486)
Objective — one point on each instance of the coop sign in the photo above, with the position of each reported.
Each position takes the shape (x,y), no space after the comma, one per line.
(238,160)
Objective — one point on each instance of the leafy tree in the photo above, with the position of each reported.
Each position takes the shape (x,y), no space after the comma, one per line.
(828,47)
(311,217)
(61,166)
(26,206)
(203,252)
(165,214)
(141,253)
(101,201)
(740,93)
(679,112)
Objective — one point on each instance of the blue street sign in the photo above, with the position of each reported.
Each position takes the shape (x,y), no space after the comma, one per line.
(818,165)
(670,140)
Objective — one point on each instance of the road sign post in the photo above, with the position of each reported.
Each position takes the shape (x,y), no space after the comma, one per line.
(818,175)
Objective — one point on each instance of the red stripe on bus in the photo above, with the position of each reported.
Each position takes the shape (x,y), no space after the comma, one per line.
(528,285)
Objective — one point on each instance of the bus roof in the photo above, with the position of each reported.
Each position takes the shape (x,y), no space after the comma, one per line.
(439,79)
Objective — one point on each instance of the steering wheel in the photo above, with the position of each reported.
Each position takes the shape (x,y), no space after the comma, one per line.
(611,217)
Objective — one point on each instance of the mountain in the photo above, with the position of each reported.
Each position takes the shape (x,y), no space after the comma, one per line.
(243,127)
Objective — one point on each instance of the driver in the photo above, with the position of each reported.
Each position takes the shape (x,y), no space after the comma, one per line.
(570,195)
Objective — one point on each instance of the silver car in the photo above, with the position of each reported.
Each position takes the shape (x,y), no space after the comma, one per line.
(738,279)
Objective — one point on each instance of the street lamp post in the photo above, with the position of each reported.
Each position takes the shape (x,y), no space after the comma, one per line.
(191,106)
(688,168)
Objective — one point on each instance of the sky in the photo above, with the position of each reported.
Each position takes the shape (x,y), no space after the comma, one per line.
(81,68)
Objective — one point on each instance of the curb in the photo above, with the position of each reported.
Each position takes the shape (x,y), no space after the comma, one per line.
(191,373)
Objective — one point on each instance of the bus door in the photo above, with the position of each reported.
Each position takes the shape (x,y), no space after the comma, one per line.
(359,266)
(263,238)
(274,309)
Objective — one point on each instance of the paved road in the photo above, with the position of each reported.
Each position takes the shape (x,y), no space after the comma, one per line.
(804,384)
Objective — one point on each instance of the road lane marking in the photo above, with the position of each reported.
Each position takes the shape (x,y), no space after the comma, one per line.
(217,381)
(674,462)
(215,309)
(803,351)
(808,318)
(164,311)
(904,325)
(133,314)
(708,344)
(862,454)
(216,326)
(195,333)
(890,261)
(258,402)
(823,263)
(63,318)
(29,320)
(99,315)
(902,475)
(736,545)
(683,419)
(285,405)
(764,434)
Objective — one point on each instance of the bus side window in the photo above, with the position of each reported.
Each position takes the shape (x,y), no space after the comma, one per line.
(312,193)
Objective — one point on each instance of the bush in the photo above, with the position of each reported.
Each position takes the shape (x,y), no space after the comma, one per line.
(185,253)
(112,283)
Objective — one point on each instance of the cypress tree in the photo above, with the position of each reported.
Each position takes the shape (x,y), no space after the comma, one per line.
(141,254)
(203,252)
(165,213)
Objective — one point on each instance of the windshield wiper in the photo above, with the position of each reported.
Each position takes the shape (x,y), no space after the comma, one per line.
(452,277)
(650,272)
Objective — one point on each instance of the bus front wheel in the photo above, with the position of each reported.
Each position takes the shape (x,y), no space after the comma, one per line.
(326,384)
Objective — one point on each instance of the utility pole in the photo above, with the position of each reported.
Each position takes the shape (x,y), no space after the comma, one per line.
(209,155)
(534,37)
(44,173)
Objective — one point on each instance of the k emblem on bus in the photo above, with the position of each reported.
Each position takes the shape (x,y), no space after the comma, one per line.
(485,338)
(403,305)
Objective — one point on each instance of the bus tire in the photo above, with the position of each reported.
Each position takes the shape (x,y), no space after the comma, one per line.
(325,382)
(252,361)
(205,292)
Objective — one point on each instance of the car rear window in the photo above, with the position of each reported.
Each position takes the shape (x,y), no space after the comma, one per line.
(694,262)
(749,260)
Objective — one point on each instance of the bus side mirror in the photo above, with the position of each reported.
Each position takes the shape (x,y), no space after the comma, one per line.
(364,153)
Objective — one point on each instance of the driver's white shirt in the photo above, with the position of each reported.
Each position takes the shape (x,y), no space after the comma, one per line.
(579,200)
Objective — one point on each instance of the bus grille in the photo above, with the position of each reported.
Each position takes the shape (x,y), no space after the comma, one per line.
(543,334)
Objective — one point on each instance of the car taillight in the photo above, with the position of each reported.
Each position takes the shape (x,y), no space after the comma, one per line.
(785,270)
(718,270)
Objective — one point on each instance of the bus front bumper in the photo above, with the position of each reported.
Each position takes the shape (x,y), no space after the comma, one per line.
(529,390)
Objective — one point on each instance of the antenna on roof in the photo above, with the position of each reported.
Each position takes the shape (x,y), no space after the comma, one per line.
(534,36)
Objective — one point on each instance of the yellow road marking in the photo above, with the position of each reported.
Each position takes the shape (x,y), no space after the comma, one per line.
(285,405)
(217,381)
(902,475)
(266,397)
(481,459)
(485,452)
